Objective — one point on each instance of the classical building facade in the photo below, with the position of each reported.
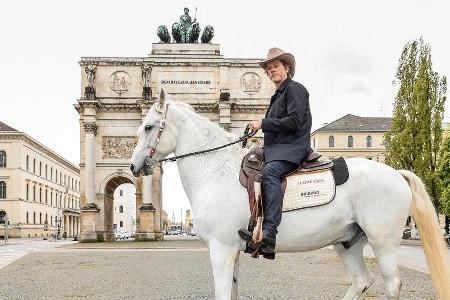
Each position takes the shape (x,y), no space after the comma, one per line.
(125,209)
(116,94)
(39,189)
(352,136)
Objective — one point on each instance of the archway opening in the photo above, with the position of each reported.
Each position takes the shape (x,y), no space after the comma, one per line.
(124,220)
(119,191)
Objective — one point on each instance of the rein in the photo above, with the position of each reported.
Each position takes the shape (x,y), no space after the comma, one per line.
(149,160)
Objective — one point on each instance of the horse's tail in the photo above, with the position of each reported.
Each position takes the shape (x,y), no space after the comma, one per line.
(434,247)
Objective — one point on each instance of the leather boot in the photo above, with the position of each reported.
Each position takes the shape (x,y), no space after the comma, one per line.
(268,243)
(245,234)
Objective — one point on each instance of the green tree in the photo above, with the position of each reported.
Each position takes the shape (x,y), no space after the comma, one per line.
(444,176)
(415,137)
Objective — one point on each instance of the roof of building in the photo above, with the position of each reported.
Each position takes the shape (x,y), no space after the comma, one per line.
(355,123)
(5,127)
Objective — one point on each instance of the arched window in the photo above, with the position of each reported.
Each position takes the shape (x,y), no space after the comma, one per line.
(28,218)
(34,217)
(28,191)
(369,141)
(34,165)
(350,141)
(121,223)
(121,193)
(121,209)
(27,163)
(2,159)
(2,190)
(331,141)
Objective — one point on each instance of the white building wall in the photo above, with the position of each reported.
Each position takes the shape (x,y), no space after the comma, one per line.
(125,196)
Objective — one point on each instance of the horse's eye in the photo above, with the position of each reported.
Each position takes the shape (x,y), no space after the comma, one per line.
(148,127)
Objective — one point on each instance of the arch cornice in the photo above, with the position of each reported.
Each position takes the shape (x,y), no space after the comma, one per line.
(127,178)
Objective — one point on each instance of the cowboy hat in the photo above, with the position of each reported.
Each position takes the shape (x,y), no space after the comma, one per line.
(277,53)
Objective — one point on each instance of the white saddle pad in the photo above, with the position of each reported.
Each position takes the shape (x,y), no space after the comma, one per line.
(307,190)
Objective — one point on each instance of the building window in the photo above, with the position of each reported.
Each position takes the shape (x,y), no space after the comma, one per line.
(350,141)
(34,217)
(46,172)
(46,219)
(121,209)
(2,159)
(2,190)
(34,193)
(51,198)
(40,168)
(56,176)
(331,141)
(65,180)
(51,220)
(121,223)
(40,194)
(40,218)
(46,196)
(51,173)
(27,162)
(121,193)
(369,141)
(34,165)
(28,217)
(60,177)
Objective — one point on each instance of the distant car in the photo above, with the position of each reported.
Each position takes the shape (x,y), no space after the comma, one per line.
(406,233)
(75,237)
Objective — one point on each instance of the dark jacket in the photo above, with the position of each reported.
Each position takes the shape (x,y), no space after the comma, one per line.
(287,124)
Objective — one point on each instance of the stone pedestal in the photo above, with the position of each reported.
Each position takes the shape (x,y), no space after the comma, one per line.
(145,230)
(88,221)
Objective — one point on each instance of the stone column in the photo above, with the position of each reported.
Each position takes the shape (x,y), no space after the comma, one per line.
(145,215)
(90,210)
(157,200)
(225,109)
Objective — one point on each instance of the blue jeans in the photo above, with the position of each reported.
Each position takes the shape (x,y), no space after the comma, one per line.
(273,203)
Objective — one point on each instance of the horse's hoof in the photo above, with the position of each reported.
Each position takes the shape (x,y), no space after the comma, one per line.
(270,256)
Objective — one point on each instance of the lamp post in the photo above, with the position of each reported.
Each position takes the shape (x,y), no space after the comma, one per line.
(57,224)
(6,221)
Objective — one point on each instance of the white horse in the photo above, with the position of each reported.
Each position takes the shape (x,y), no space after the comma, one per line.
(376,197)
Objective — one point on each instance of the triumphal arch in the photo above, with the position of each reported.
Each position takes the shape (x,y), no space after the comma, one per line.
(116,94)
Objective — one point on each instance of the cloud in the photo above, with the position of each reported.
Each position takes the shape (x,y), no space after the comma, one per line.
(358,88)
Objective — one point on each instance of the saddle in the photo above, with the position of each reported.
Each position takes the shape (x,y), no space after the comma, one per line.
(253,163)
(250,176)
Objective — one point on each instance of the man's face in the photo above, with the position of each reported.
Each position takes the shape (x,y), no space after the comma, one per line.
(186,11)
(276,71)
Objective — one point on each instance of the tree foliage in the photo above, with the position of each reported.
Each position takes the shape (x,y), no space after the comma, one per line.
(414,139)
(444,176)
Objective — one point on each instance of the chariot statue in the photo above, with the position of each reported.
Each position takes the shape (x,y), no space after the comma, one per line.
(185,31)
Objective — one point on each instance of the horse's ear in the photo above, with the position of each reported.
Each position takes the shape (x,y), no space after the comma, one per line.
(161,101)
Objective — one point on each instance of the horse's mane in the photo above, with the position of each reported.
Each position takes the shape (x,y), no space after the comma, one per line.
(212,127)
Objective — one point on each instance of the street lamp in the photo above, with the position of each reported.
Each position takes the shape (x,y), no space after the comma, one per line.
(6,221)
(58,225)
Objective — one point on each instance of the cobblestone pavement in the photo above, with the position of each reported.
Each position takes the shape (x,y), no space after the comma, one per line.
(181,270)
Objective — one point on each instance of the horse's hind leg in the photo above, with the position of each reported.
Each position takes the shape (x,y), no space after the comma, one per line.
(354,263)
(387,261)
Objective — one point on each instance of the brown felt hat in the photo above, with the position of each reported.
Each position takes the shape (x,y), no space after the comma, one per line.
(277,53)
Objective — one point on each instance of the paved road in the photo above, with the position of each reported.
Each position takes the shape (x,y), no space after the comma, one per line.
(181,270)
(16,248)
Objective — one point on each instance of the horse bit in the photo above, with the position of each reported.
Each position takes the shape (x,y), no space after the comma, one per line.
(149,161)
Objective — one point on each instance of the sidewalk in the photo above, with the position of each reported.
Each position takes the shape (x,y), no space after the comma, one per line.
(411,242)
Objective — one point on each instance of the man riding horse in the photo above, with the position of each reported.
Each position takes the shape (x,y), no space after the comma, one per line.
(287,130)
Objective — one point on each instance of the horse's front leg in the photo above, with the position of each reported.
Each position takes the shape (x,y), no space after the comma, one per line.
(225,266)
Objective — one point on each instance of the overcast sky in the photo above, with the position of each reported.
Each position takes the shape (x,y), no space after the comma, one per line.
(346,51)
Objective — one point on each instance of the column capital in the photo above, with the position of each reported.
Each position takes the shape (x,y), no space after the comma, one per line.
(90,127)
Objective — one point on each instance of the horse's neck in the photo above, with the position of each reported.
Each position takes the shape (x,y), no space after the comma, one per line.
(195,134)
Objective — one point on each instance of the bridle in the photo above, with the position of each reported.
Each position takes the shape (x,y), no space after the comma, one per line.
(150,161)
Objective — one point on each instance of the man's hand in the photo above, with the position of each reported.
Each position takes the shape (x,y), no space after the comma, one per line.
(255,125)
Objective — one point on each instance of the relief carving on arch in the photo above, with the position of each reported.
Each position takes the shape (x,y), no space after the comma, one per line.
(118,147)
